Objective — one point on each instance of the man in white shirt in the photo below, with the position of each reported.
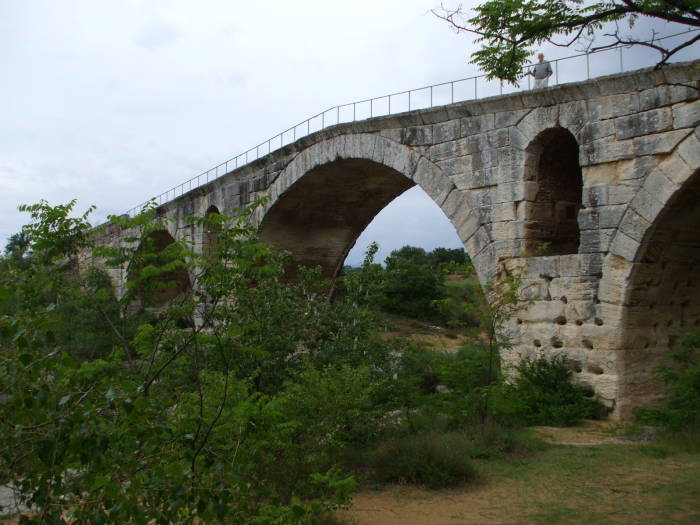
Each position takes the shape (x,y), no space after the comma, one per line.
(541,71)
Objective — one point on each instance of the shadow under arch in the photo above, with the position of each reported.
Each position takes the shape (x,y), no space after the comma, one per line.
(320,216)
(552,216)
(171,284)
(662,300)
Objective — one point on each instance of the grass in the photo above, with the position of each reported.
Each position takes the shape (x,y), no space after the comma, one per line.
(602,484)
(606,484)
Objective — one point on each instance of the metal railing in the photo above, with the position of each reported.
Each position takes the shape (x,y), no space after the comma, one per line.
(420,98)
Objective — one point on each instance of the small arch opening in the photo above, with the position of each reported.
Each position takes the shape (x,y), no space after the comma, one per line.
(552,215)
(210,237)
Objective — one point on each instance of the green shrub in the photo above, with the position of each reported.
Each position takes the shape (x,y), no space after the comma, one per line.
(682,379)
(542,394)
(435,460)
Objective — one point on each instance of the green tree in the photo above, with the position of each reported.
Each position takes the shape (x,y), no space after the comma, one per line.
(157,419)
(508,30)
(411,287)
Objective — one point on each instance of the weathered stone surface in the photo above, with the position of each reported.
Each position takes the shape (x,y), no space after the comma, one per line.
(644,123)
(686,115)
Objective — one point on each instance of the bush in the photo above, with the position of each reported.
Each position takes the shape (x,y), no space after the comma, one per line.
(682,379)
(542,394)
(435,460)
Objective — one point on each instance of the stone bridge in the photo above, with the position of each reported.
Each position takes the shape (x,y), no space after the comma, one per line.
(605,173)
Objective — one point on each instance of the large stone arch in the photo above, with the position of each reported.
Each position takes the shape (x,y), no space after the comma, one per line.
(328,194)
(650,275)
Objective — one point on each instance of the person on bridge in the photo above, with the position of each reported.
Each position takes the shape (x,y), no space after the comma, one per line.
(541,71)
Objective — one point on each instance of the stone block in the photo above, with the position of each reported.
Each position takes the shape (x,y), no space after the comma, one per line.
(595,240)
(433,115)
(622,193)
(499,138)
(624,246)
(665,95)
(506,119)
(484,178)
(686,115)
(517,138)
(448,150)
(659,142)
(689,151)
(538,120)
(429,177)
(574,115)
(454,201)
(455,166)
(483,159)
(634,225)
(600,217)
(467,227)
(645,123)
(446,131)
(478,124)
(595,195)
(646,205)
(477,242)
(505,211)
(613,106)
(516,191)
(395,134)
(417,135)
(606,150)
(543,312)
(595,130)
(675,169)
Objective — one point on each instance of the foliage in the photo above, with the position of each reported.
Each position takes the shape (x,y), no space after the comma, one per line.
(682,379)
(410,284)
(542,394)
(507,30)
(136,410)
(435,460)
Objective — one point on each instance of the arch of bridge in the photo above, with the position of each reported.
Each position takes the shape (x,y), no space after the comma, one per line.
(344,169)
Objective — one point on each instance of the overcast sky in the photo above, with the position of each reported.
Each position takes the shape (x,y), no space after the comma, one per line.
(112,102)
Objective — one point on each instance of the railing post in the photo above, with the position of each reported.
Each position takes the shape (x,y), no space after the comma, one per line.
(371,108)
(501,87)
(621,66)
(475,95)
(588,66)
(431,96)
(556,69)
(452,92)
(389,104)
(409,101)
(308,126)
(353,111)
(323,120)
(337,118)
